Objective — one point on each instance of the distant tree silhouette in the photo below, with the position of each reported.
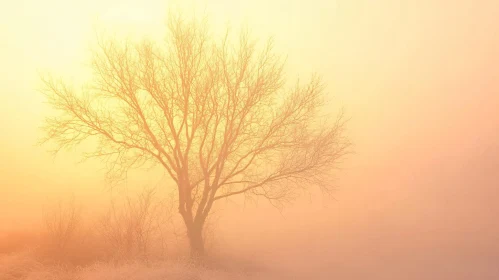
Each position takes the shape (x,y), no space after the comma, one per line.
(216,115)
(129,229)
(62,222)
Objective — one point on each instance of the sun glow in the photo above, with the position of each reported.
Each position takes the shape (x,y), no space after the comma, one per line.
(133,15)
(418,80)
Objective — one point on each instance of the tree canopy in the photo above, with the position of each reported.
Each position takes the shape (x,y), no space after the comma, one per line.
(216,114)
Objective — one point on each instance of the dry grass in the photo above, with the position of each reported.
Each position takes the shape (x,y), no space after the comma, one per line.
(24,266)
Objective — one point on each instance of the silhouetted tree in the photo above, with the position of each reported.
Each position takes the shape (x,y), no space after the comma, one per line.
(216,115)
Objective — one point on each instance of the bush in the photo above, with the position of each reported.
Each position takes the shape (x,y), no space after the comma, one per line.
(132,229)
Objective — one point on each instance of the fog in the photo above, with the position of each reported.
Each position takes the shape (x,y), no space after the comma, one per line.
(418,80)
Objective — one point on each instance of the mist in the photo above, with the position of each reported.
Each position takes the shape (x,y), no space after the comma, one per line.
(418,81)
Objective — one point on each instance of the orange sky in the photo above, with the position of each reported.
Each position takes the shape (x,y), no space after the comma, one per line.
(418,78)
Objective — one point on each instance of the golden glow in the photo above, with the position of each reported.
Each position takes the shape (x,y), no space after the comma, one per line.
(418,78)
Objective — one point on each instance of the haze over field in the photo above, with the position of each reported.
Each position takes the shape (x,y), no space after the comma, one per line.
(419,81)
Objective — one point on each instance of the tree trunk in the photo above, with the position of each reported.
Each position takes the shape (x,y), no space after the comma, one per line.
(196,242)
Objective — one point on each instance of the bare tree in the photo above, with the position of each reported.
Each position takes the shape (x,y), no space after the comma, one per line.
(217,116)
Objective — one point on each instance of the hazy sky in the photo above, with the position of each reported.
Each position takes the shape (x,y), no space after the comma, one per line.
(419,79)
